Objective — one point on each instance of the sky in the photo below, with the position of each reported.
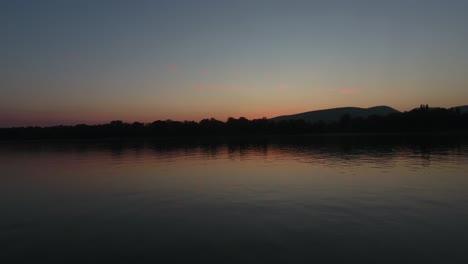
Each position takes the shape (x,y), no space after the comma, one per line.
(70,62)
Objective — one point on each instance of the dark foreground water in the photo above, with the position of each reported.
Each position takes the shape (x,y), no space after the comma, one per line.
(306,200)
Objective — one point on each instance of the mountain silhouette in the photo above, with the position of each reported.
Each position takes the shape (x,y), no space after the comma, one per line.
(463,109)
(334,114)
(376,119)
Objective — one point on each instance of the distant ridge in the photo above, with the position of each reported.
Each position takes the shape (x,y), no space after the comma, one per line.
(334,114)
(463,109)
(378,119)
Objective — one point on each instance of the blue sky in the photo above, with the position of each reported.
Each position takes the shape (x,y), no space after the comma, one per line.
(95,61)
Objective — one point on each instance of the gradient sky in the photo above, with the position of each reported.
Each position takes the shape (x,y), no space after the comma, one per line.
(68,62)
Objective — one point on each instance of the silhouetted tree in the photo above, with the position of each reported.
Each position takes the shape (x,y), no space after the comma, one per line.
(422,119)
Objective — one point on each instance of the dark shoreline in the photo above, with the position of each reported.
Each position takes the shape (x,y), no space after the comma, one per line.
(423,121)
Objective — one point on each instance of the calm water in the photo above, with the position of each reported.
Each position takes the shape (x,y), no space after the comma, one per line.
(332,199)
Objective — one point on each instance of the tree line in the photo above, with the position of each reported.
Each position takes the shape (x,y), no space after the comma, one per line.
(422,119)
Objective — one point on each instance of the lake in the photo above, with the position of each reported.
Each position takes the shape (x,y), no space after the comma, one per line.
(323,199)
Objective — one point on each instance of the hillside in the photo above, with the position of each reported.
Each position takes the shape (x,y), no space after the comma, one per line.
(463,109)
(334,114)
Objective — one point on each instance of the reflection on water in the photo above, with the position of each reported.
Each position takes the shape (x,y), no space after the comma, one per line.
(291,200)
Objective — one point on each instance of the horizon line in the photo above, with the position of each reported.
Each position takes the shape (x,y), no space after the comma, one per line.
(75,122)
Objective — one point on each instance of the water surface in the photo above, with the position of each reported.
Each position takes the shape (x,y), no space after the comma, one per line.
(322,199)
